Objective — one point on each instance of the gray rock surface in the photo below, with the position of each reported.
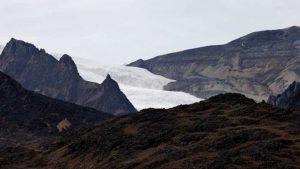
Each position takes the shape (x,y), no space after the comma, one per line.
(289,99)
(40,72)
(257,65)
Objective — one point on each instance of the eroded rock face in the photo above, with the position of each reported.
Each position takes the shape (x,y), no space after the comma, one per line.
(226,131)
(38,71)
(289,99)
(257,65)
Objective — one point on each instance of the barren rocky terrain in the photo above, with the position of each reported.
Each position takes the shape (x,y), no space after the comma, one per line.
(226,131)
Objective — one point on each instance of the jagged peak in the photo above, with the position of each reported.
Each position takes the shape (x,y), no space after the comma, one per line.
(138,63)
(15,43)
(108,77)
(20,42)
(67,60)
(109,82)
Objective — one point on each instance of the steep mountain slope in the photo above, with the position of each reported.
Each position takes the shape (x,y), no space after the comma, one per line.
(289,99)
(25,115)
(143,88)
(257,65)
(226,131)
(38,71)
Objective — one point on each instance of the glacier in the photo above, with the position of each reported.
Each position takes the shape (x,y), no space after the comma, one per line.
(143,88)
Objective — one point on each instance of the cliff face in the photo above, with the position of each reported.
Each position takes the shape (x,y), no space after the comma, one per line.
(38,71)
(27,116)
(257,65)
(226,131)
(288,99)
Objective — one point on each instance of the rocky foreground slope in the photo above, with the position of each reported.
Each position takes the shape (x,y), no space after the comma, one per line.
(40,72)
(226,131)
(257,65)
(27,117)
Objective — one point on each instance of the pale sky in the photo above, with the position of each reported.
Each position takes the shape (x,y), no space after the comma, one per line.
(121,31)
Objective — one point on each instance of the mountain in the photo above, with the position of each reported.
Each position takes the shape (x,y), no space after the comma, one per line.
(257,65)
(289,99)
(27,116)
(226,131)
(143,88)
(40,72)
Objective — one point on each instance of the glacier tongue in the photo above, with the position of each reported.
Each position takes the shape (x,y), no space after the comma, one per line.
(143,88)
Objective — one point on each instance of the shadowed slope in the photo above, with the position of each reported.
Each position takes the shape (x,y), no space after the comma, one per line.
(226,131)
(26,115)
(38,71)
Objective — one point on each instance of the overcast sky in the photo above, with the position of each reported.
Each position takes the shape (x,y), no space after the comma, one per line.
(121,31)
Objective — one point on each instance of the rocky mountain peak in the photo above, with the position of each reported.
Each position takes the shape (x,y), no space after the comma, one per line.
(109,82)
(41,72)
(19,43)
(108,77)
(138,63)
(66,59)
(67,62)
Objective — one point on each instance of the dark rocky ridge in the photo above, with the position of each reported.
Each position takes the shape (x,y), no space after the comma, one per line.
(30,117)
(40,72)
(226,131)
(257,65)
(289,99)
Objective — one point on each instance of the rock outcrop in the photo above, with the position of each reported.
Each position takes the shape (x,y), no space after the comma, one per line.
(257,65)
(27,116)
(226,131)
(289,99)
(40,72)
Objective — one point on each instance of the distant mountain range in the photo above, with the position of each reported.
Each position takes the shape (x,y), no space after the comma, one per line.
(226,131)
(38,71)
(27,116)
(257,65)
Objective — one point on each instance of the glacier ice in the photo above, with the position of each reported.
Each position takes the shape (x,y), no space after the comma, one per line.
(143,88)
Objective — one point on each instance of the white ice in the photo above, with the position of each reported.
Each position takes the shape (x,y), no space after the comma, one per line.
(143,88)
